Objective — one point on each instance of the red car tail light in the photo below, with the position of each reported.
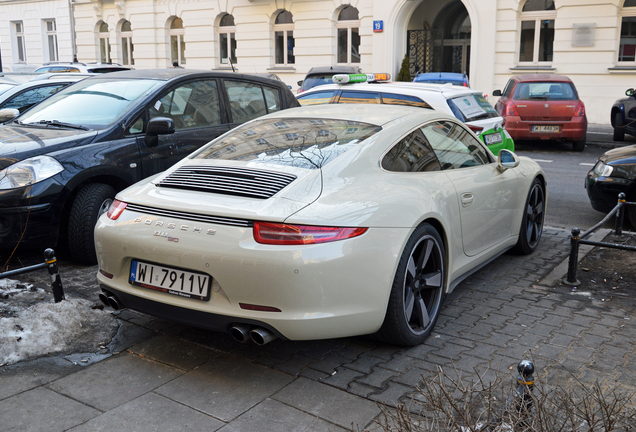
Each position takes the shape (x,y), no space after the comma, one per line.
(115,210)
(580,110)
(511,109)
(475,129)
(285,234)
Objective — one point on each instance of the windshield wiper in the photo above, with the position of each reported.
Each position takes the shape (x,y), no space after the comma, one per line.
(57,123)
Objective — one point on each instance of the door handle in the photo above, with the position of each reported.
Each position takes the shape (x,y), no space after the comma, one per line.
(467,199)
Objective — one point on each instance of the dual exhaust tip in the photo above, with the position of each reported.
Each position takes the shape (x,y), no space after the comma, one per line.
(109,300)
(241,333)
(258,335)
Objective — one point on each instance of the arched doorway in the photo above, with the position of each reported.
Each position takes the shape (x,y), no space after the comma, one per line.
(443,46)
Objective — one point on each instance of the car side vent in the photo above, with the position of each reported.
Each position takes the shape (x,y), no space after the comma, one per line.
(245,182)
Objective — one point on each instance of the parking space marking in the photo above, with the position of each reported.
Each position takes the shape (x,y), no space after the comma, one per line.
(543,160)
(586,164)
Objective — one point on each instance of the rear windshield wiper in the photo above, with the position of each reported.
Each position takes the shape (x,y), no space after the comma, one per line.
(57,123)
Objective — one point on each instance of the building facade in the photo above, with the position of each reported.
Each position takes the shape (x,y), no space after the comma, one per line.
(592,41)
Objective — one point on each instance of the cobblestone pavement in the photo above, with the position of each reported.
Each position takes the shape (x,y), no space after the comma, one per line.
(158,375)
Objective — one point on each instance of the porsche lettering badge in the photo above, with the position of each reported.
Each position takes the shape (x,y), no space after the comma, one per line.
(171,226)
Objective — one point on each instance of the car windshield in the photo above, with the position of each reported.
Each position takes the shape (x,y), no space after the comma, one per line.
(92,103)
(545,91)
(472,107)
(301,143)
(317,80)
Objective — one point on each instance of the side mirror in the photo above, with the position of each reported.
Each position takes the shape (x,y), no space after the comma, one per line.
(496,93)
(300,83)
(158,126)
(628,92)
(506,160)
(8,114)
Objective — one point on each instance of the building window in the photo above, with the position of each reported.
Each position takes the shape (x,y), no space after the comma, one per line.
(18,27)
(348,28)
(51,40)
(104,43)
(127,47)
(227,40)
(177,42)
(536,36)
(627,47)
(284,39)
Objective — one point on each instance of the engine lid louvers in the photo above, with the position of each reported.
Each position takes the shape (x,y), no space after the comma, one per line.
(244,182)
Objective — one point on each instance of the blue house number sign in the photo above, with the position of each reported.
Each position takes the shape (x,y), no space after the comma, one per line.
(378,26)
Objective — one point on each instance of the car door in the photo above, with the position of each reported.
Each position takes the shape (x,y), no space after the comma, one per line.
(196,110)
(487,197)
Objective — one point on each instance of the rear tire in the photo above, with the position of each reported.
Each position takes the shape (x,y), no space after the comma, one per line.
(578,146)
(532,221)
(619,127)
(90,203)
(418,289)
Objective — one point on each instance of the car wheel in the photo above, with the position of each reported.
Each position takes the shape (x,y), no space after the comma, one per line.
(532,221)
(418,289)
(619,127)
(578,145)
(90,203)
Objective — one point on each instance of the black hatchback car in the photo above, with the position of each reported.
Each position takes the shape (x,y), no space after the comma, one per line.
(614,172)
(623,115)
(63,161)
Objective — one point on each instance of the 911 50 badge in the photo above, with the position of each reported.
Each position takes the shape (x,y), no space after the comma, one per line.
(165,225)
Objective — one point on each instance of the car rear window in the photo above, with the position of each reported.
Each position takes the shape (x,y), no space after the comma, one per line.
(471,107)
(316,80)
(301,143)
(545,91)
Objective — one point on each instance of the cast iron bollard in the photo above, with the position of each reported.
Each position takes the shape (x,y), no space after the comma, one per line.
(574,257)
(618,227)
(56,282)
(523,393)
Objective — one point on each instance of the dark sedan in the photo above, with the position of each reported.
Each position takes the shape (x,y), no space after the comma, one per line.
(614,172)
(63,161)
(623,116)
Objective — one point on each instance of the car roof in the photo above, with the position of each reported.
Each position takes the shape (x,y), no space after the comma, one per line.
(541,77)
(175,73)
(368,113)
(407,88)
(334,69)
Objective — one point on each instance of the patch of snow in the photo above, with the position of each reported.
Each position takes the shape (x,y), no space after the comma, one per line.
(32,325)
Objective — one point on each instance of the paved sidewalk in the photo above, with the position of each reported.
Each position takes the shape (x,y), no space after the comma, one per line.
(161,376)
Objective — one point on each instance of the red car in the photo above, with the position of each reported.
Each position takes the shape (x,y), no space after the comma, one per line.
(543,107)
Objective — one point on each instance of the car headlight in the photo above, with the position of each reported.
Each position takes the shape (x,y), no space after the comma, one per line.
(29,171)
(603,170)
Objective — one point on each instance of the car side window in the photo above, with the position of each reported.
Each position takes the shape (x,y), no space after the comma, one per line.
(247,100)
(193,104)
(412,154)
(349,97)
(27,99)
(136,127)
(454,146)
(399,99)
(506,90)
(272,99)
(317,98)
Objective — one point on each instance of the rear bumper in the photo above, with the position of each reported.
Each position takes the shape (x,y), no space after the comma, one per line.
(573,130)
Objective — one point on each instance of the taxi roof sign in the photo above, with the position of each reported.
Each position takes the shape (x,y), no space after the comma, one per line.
(356,78)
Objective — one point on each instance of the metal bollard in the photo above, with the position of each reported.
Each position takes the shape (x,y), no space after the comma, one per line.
(56,282)
(574,257)
(620,216)
(523,392)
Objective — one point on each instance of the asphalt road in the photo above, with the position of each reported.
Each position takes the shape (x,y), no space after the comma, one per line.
(568,204)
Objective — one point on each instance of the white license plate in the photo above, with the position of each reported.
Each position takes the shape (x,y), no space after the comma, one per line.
(545,128)
(493,138)
(170,280)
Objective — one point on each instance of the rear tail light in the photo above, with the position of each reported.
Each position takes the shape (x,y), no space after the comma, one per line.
(511,109)
(465,85)
(285,234)
(580,110)
(300,91)
(475,129)
(115,210)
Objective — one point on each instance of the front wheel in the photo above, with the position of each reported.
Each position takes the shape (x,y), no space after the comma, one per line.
(418,289)
(90,203)
(532,221)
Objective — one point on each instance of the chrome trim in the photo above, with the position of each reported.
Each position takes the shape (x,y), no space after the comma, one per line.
(221,220)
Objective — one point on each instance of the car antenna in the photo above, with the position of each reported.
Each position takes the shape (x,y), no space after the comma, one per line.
(230,60)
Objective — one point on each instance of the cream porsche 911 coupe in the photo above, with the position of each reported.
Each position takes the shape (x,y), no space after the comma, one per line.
(319,222)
